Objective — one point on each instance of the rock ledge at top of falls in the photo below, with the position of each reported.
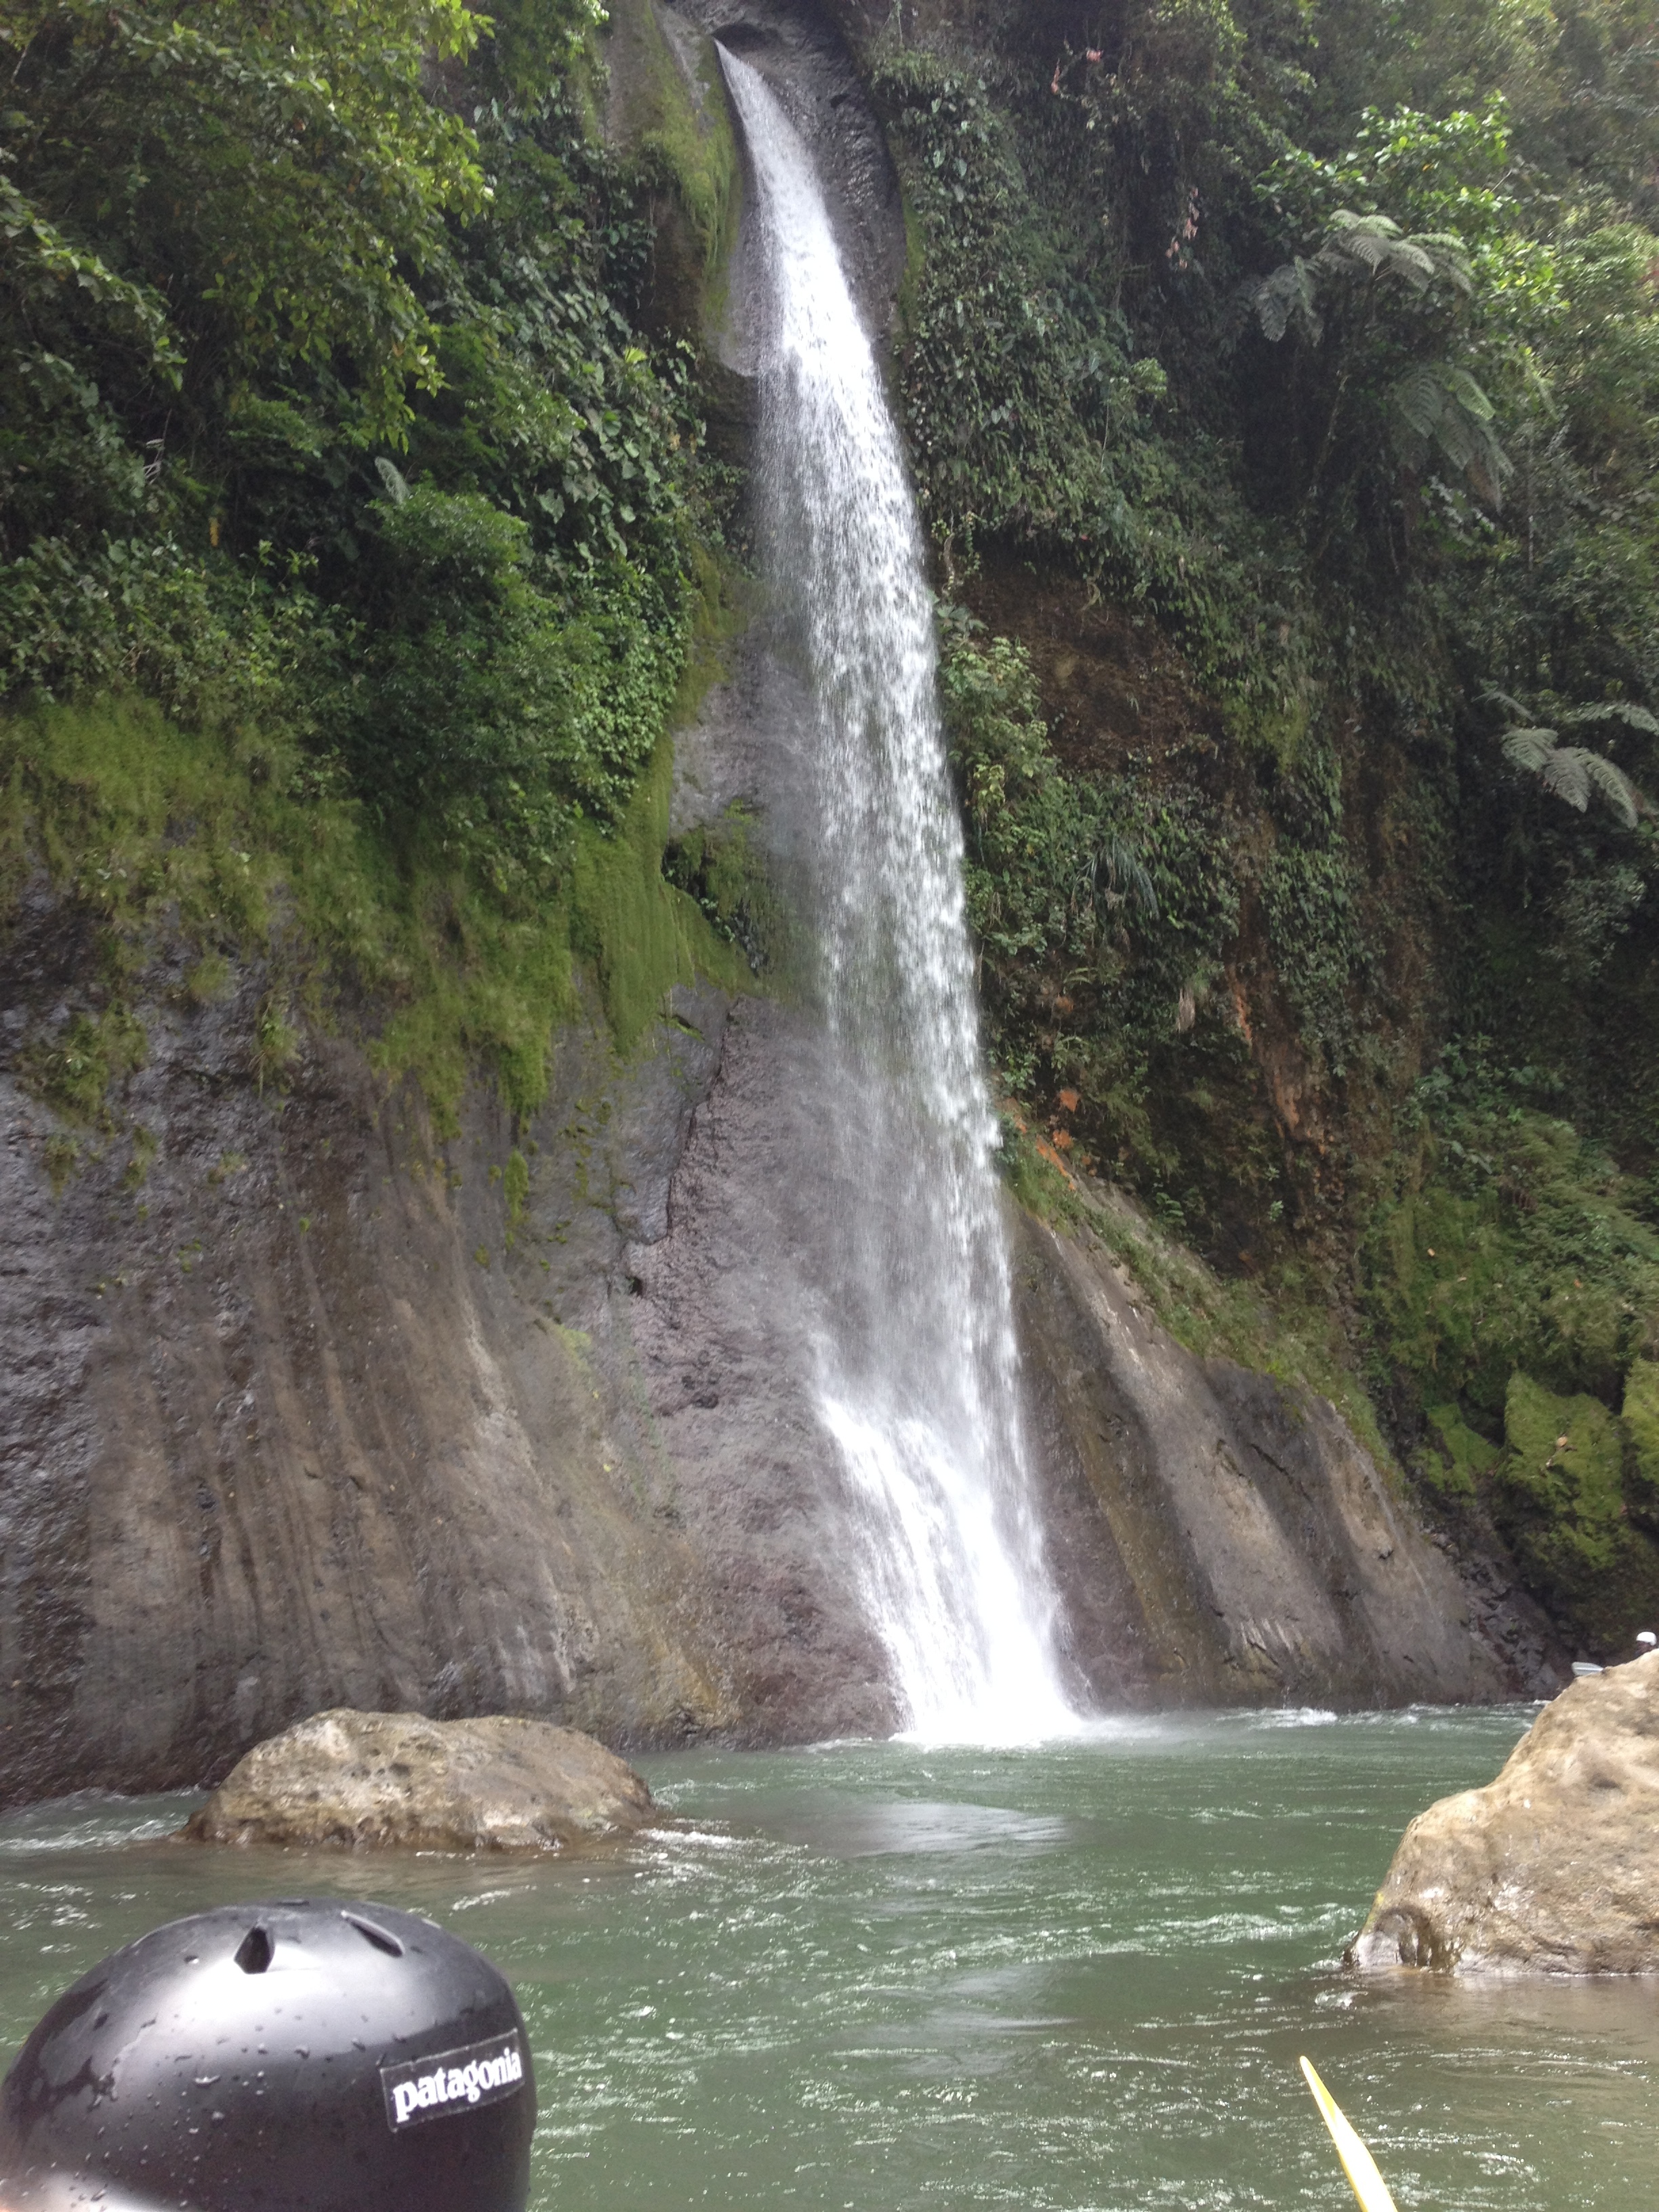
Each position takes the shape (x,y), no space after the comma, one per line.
(400,1780)
(1552,1868)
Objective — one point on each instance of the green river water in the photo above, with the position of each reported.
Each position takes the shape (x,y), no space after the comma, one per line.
(879,1977)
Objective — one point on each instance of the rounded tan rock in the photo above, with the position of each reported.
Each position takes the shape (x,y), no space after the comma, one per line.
(1552,1868)
(399,1780)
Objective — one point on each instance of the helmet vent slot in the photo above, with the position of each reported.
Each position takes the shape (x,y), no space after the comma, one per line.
(254,1951)
(378,1937)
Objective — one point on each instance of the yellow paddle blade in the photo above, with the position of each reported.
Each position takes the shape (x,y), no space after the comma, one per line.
(1357,2163)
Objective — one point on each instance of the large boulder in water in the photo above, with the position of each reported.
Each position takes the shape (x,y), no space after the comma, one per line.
(355,1778)
(1552,1868)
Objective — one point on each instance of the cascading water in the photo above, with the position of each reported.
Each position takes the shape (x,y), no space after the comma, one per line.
(917,1372)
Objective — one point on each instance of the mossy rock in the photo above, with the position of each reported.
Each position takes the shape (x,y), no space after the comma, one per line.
(1566,1461)
(641,934)
(184,838)
(1463,1458)
(1561,1497)
(668,115)
(1522,1248)
(1641,1418)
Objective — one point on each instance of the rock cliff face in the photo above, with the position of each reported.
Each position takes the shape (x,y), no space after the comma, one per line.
(308,1410)
(1226,1538)
(288,1425)
(285,1426)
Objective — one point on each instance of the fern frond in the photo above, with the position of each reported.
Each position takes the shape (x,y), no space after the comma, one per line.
(1614,786)
(1370,226)
(1497,698)
(1374,244)
(1564,773)
(1613,710)
(1469,395)
(1420,399)
(1450,259)
(1455,434)
(1288,294)
(1573,772)
(1434,405)
(1528,749)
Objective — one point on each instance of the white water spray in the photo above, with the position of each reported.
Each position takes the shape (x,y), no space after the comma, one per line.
(917,1367)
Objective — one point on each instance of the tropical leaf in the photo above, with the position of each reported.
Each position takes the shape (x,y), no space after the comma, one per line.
(1609,710)
(1289,295)
(1614,786)
(1468,394)
(1451,259)
(1420,399)
(1563,772)
(1528,749)
(1434,407)
(1455,436)
(1125,874)
(1376,246)
(1503,699)
(1572,772)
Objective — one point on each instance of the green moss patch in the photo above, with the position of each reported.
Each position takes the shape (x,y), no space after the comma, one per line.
(640,933)
(1565,1502)
(73,1074)
(676,139)
(228,847)
(1512,1244)
(1463,1456)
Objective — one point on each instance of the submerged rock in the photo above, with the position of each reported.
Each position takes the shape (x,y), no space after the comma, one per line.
(399,1779)
(1552,1868)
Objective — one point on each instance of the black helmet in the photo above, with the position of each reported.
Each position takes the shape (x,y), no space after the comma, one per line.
(300,2057)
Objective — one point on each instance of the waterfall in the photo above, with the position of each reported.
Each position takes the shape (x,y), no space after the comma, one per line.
(917,1376)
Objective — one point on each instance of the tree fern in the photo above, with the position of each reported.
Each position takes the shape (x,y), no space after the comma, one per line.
(1572,772)
(1372,246)
(1436,407)
(1290,294)
(1363,248)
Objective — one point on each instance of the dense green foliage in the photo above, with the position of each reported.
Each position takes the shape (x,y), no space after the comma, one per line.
(1515,1283)
(328,416)
(347,560)
(1323,343)
(1099,906)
